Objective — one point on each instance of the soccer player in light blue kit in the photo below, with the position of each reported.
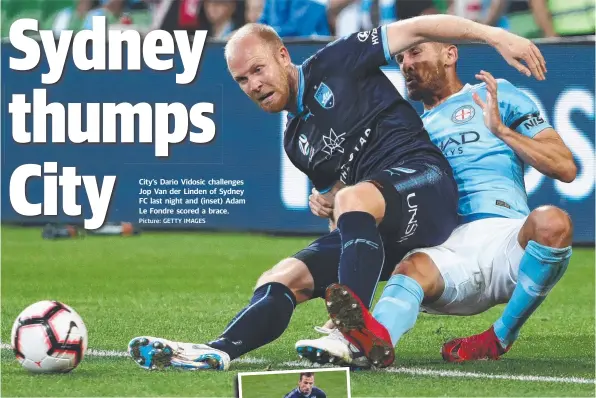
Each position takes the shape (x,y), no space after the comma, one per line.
(501,252)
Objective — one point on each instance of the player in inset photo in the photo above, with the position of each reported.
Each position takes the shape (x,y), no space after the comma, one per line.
(306,388)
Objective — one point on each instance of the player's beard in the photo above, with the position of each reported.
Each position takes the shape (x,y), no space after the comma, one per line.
(281,92)
(429,83)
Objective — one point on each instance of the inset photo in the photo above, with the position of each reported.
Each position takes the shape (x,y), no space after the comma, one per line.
(303,383)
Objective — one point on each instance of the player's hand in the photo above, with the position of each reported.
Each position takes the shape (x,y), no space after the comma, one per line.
(490,108)
(516,49)
(321,205)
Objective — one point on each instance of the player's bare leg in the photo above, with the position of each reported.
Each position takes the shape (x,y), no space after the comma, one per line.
(546,237)
(415,280)
(276,294)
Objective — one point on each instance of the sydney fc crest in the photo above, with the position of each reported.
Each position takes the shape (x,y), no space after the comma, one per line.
(463,114)
(324,96)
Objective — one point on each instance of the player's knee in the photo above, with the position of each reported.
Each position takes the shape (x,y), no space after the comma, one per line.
(421,268)
(350,199)
(280,273)
(293,274)
(361,197)
(551,226)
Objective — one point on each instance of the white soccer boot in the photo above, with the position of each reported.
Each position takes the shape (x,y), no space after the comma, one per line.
(154,353)
(333,348)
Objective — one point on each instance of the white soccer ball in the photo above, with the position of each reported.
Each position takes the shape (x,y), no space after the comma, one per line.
(49,337)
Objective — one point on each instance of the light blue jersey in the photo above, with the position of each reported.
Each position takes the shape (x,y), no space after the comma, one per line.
(489,175)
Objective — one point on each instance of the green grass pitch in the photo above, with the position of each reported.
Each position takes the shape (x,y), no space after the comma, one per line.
(187,286)
(334,384)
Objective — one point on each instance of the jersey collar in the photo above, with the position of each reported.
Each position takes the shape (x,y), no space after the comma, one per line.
(299,102)
(466,88)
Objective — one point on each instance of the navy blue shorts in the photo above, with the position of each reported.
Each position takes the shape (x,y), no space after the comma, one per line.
(420,211)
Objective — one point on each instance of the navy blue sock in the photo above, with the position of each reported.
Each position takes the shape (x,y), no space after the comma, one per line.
(362,254)
(265,319)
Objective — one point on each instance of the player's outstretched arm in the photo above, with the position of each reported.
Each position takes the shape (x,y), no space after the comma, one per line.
(404,34)
(545,150)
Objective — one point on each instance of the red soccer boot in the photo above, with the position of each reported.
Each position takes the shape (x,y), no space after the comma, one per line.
(485,345)
(358,325)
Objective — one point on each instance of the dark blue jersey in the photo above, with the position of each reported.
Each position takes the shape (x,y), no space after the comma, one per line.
(315,393)
(351,121)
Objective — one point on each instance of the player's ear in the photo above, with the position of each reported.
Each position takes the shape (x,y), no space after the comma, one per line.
(284,56)
(451,55)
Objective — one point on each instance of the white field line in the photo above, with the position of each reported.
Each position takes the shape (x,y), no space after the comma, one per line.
(402,370)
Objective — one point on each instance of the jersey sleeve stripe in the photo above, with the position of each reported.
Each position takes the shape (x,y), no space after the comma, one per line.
(323,191)
(522,119)
(385,43)
(300,89)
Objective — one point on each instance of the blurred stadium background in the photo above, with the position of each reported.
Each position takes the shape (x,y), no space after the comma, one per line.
(276,193)
(304,18)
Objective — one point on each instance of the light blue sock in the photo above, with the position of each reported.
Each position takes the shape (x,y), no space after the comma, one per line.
(399,305)
(540,269)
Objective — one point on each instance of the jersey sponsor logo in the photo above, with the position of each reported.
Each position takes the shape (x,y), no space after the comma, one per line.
(333,143)
(533,122)
(528,121)
(324,96)
(303,145)
(454,145)
(463,114)
(345,168)
(375,37)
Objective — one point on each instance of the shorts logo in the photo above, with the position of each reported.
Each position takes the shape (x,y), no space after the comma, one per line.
(413,223)
(324,96)
(362,36)
(397,170)
(463,114)
(303,144)
(502,204)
